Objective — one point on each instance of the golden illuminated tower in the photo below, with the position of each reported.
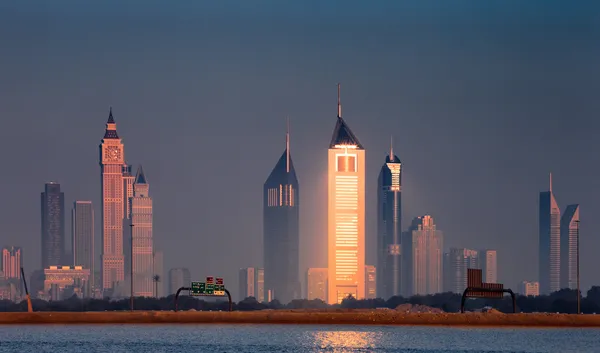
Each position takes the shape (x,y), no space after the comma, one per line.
(111,163)
(345,214)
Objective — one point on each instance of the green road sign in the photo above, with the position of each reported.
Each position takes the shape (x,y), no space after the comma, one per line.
(208,288)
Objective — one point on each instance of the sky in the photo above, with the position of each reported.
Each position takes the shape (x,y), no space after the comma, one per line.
(483,100)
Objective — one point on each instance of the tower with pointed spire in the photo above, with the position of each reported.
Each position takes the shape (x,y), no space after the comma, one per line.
(549,242)
(281,233)
(345,213)
(389,226)
(141,232)
(112,158)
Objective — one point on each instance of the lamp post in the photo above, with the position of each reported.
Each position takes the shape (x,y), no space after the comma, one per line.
(131,265)
(578,290)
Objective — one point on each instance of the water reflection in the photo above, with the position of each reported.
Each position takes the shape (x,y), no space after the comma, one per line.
(345,341)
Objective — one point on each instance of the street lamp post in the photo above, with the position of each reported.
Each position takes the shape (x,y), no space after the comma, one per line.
(131,265)
(578,290)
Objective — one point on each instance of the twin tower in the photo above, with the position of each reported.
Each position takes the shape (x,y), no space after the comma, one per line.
(345,222)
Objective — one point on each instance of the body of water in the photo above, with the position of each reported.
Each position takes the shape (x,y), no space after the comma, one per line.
(291,338)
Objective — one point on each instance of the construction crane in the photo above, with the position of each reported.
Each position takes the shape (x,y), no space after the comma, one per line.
(29,307)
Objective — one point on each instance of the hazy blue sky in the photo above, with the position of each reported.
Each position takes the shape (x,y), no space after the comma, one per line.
(483,99)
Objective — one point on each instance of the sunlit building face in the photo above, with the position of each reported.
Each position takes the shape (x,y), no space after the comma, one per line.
(346,215)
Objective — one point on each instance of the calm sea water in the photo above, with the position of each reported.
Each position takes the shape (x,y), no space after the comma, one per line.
(288,338)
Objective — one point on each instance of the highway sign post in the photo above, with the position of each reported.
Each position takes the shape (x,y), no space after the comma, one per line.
(212,287)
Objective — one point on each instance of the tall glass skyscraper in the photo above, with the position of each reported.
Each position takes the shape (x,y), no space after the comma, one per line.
(281,234)
(549,242)
(53,226)
(82,236)
(568,247)
(389,227)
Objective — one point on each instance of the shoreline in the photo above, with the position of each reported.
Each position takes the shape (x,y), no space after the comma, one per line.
(304,317)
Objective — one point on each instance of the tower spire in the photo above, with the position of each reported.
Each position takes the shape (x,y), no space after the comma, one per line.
(391,148)
(550,181)
(111,120)
(287,146)
(339,102)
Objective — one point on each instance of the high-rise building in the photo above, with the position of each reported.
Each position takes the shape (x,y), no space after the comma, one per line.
(370,282)
(488,263)
(252,284)
(112,158)
(569,229)
(141,232)
(422,247)
(459,260)
(549,242)
(529,288)
(345,214)
(128,181)
(53,225)
(82,236)
(159,275)
(12,261)
(389,227)
(281,236)
(316,284)
(179,277)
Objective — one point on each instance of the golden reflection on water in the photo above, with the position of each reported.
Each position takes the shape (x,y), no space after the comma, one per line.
(345,341)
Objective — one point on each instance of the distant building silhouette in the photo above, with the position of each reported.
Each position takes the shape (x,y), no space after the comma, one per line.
(422,248)
(549,242)
(568,247)
(488,263)
(389,227)
(459,260)
(12,261)
(112,159)
(370,282)
(179,277)
(281,235)
(316,284)
(53,225)
(82,237)
(345,213)
(143,247)
(252,284)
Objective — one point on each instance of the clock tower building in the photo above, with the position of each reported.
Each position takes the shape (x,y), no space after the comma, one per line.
(111,164)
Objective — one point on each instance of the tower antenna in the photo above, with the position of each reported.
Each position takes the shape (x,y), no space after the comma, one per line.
(550,181)
(287,146)
(391,148)
(339,102)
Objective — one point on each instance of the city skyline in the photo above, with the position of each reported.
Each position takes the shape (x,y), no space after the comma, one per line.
(491,141)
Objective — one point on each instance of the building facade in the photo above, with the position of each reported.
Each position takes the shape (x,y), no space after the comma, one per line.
(281,233)
(112,159)
(82,236)
(345,214)
(252,284)
(549,242)
(316,284)
(12,261)
(179,277)
(62,282)
(422,248)
(389,227)
(53,225)
(459,260)
(569,236)
(370,282)
(488,263)
(141,233)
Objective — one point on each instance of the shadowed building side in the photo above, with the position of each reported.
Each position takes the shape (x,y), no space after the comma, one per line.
(82,234)
(53,226)
(345,214)
(549,242)
(389,227)
(281,234)
(143,246)
(568,247)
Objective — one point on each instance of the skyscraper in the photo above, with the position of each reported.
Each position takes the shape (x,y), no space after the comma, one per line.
(143,248)
(112,158)
(345,213)
(568,247)
(549,242)
(252,284)
(422,247)
(488,263)
(179,277)
(316,284)
(389,227)
(370,282)
(53,225)
(128,180)
(12,261)
(281,236)
(460,259)
(82,236)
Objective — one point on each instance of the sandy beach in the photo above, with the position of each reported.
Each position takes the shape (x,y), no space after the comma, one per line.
(315,317)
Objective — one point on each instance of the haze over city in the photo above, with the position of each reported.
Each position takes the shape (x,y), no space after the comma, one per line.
(482,103)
